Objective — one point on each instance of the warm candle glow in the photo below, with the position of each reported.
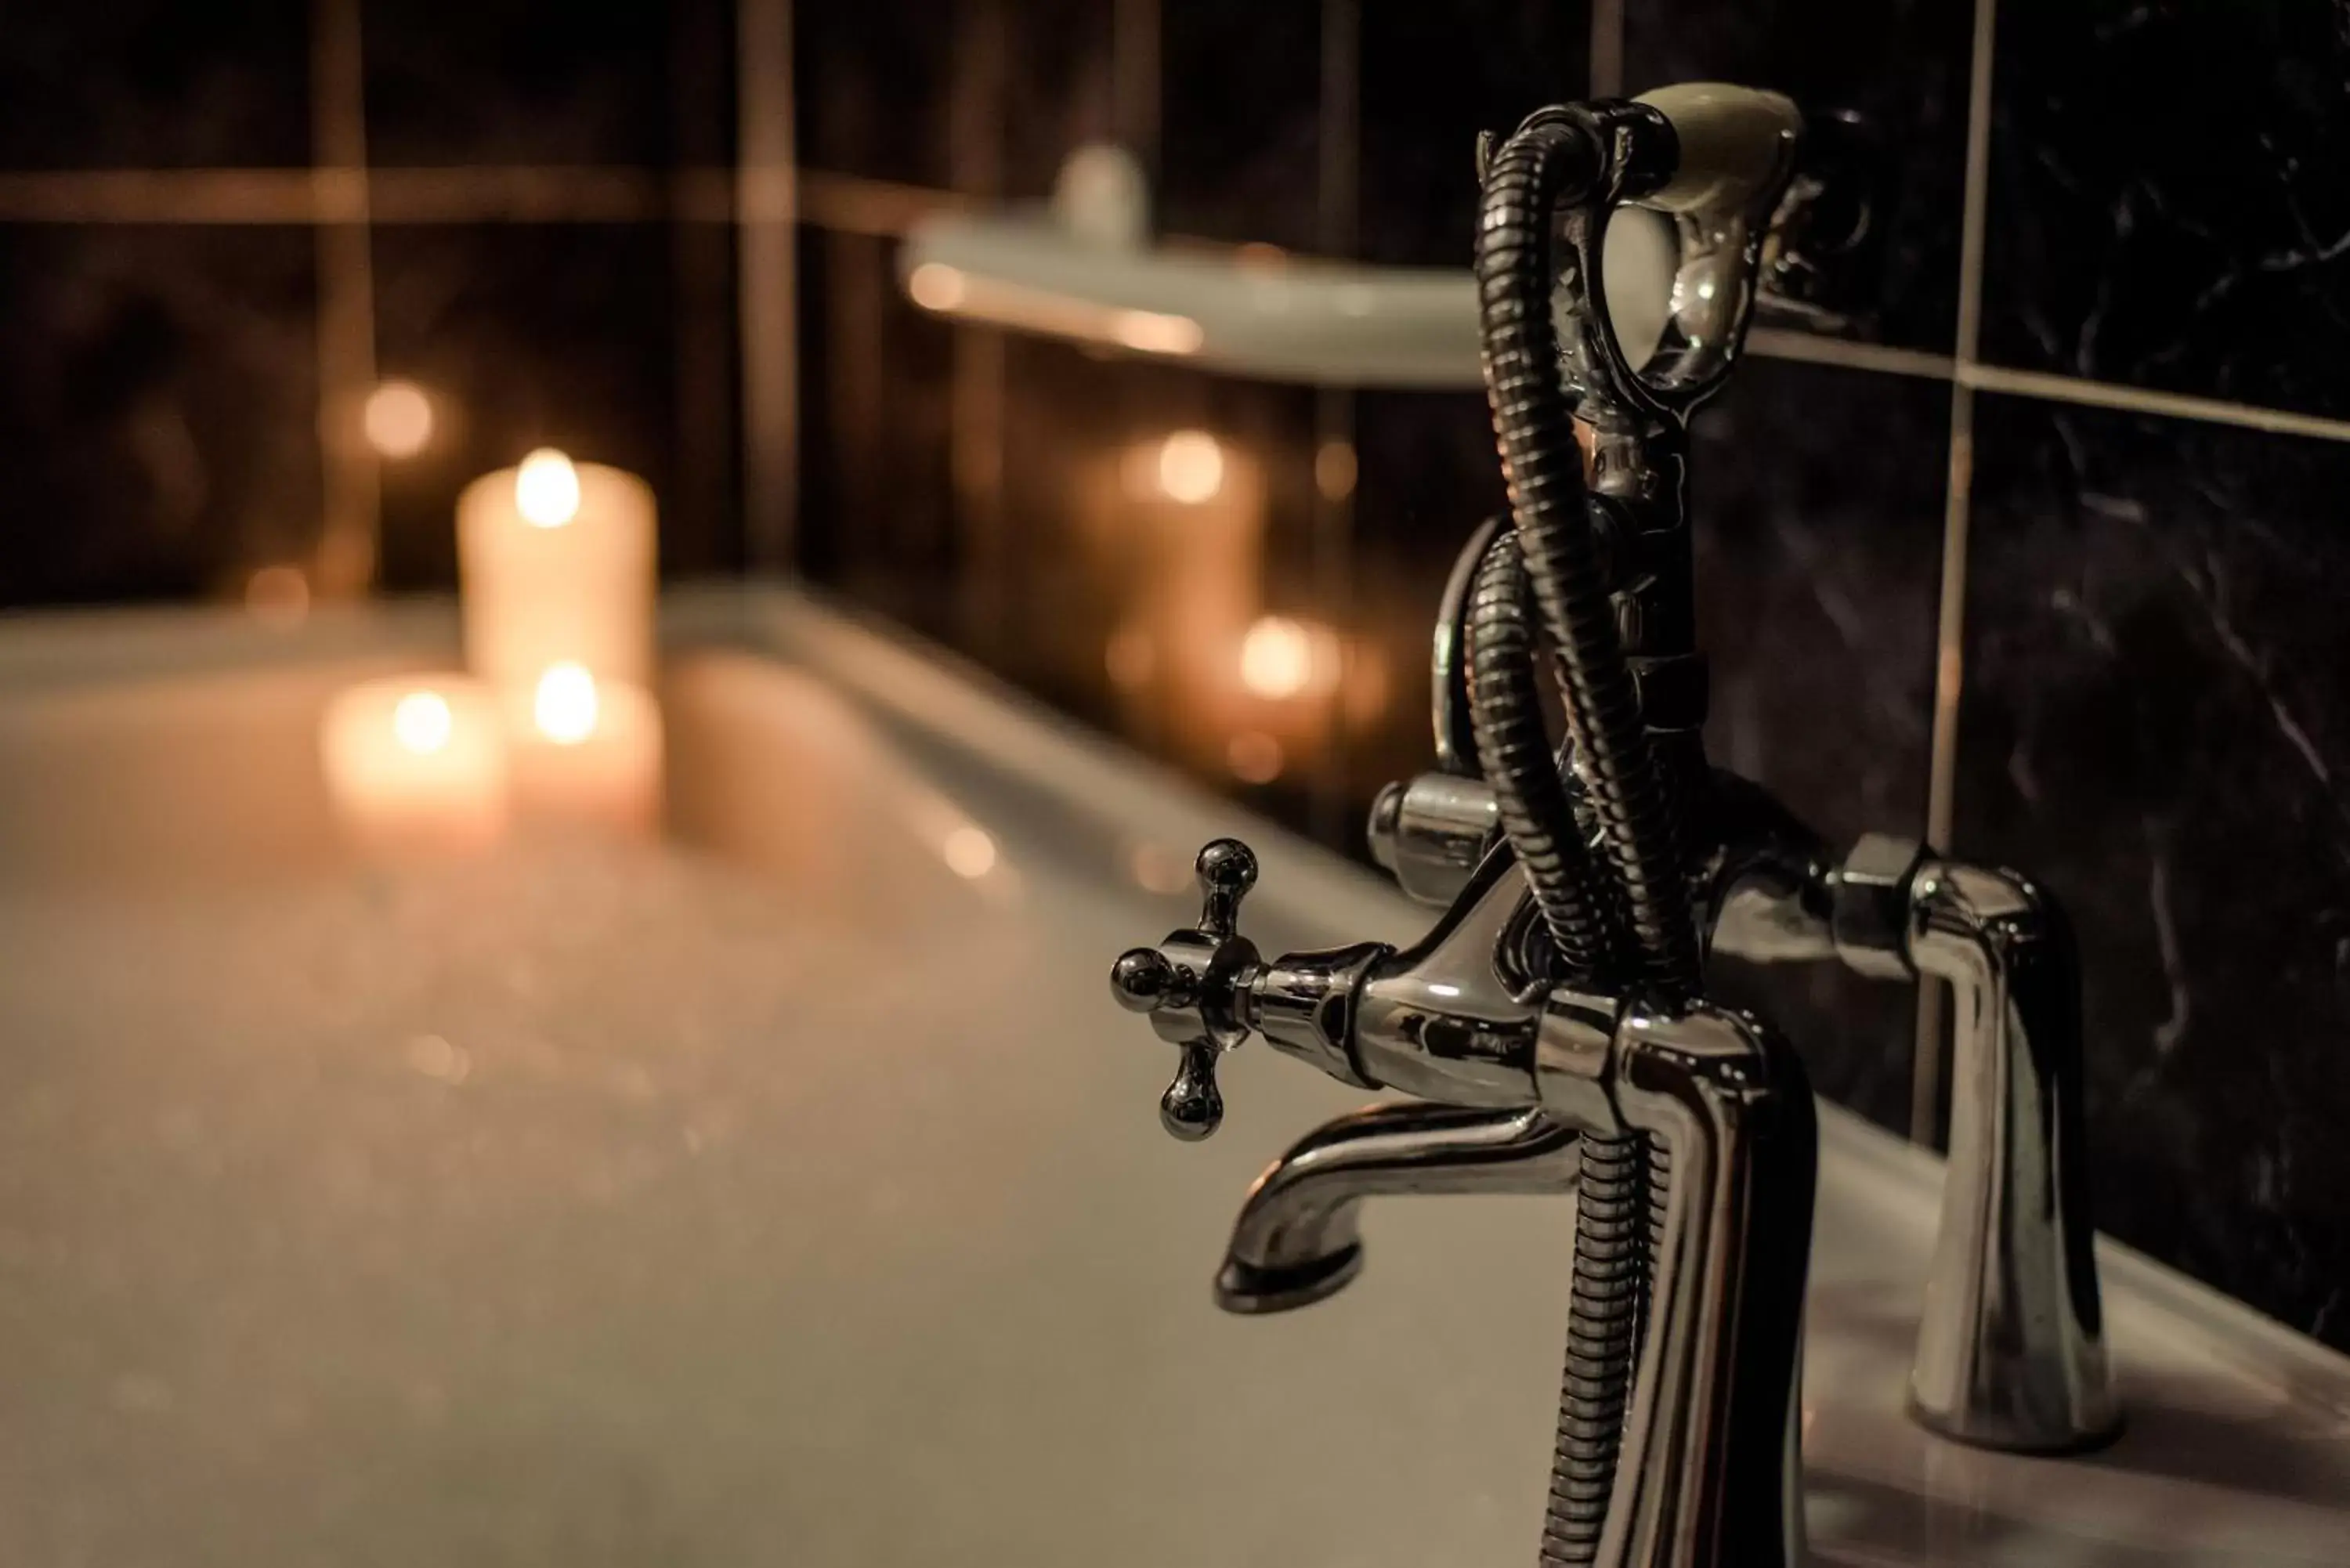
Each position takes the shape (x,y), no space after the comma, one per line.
(565,704)
(416,763)
(1334,469)
(969,853)
(421,722)
(1277,658)
(1254,757)
(1151,332)
(587,750)
(398,419)
(278,595)
(1191,467)
(546,489)
(934,286)
(555,565)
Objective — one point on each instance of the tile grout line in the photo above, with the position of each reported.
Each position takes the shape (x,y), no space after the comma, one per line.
(2048,385)
(1950,650)
(1606,48)
(853,203)
(977,361)
(766,211)
(350,548)
(1337,179)
(1777,343)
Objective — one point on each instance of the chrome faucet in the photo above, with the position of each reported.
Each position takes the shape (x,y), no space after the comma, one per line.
(1517,1067)
(2011,1350)
(1553,1026)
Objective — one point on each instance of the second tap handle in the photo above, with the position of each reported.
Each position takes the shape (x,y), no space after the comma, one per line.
(1194,985)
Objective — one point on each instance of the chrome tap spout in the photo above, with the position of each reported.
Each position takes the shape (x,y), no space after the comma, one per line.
(1295,1242)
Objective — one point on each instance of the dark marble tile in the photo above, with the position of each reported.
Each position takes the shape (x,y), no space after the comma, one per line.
(2155,725)
(875,79)
(1818,498)
(154,84)
(1902,69)
(2167,208)
(525,336)
(876,502)
(507,82)
(1240,116)
(1817,562)
(1432,77)
(1426,475)
(158,410)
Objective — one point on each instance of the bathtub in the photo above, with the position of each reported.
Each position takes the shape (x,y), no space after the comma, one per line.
(789,1190)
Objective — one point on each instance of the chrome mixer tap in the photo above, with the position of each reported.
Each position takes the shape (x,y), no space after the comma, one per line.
(1553,1026)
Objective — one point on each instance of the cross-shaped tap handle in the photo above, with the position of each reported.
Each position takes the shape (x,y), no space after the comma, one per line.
(1194,985)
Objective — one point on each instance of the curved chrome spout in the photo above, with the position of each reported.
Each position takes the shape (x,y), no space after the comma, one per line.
(2011,1352)
(1295,1242)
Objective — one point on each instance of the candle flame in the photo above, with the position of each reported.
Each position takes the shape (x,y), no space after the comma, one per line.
(566,704)
(546,489)
(421,723)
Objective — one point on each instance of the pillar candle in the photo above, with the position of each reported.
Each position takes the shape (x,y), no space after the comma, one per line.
(586,750)
(556,566)
(416,763)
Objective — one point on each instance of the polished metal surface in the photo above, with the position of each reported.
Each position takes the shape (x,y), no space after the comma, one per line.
(1556,1008)
(1431,832)
(1190,986)
(1711,1454)
(1296,1240)
(2011,1351)
(1517,1070)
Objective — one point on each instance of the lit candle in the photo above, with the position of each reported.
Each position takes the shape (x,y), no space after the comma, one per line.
(555,565)
(586,750)
(416,763)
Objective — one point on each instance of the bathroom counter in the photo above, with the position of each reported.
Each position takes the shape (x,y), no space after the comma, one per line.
(782,1192)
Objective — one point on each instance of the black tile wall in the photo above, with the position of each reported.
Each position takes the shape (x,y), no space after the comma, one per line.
(1064,95)
(1239,146)
(2156,723)
(1902,67)
(1432,77)
(527,337)
(876,482)
(510,82)
(1426,476)
(2166,206)
(158,390)
(1818,499)
(874,82)
(153,84)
